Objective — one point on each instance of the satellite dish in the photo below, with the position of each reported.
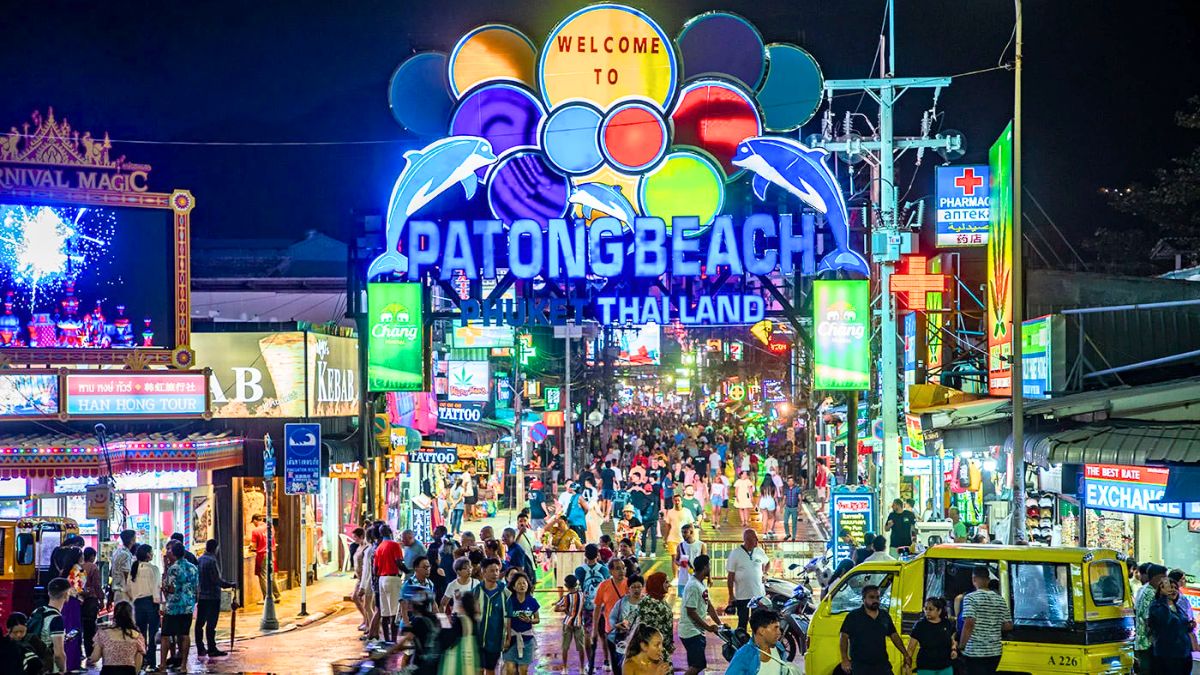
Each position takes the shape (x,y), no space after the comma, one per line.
(959,151)
(851,158)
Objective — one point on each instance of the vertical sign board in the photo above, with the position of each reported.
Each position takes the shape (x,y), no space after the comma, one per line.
(301,459)
(1131,489)
(396,338)
(469,381)
(1042,358)
(841,312)
(853,510)
(553,398)
(963,205)
(999,268)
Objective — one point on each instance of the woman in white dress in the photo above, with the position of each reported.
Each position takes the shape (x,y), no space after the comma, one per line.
(743,497)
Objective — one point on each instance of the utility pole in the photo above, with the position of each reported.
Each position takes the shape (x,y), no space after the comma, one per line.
(568,411)
(886,239)
(1018,309)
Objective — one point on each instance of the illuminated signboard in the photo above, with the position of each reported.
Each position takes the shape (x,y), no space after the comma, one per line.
(1131,489)
(457,411)
(474,336)
(852,510)
(553,419)
(28,395)
(553,398)
(640,347)
(628,139)
(434,453)
(146,393)
(1042,360)
(254,374)
(332,375)
(468,381)
(841,314)
(396,341)
(999,268)
(963,205)
(773,391)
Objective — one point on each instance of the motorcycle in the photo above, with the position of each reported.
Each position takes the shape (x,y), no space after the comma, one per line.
(795,603)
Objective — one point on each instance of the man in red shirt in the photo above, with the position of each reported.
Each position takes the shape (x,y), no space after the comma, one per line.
(258,537)
(389,555)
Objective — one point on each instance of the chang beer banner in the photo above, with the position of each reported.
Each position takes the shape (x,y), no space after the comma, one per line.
(841,314)
(396,337)
(999,267)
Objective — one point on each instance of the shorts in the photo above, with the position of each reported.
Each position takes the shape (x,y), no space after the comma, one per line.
(695,651)
(389,595)
(575,633)
(526,658)
(538,523)
(488,659)
(717,501)
(472,500)
(176,625)
(587,616)
(607,495)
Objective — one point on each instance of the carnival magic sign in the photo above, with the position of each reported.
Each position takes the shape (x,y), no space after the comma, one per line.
(620,176)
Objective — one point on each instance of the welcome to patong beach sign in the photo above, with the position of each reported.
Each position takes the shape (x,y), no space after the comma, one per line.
(606,155)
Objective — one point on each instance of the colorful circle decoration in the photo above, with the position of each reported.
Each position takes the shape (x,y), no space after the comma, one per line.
(506,114)
(571,138)
(604,53)
(715,115)
(792,91)
(419,94)
(634,137)
(522,184)
(686,183)
(491,53)
(741,54)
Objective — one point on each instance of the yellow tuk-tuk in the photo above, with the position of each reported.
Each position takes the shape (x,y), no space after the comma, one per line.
(1072,608)
(25,547)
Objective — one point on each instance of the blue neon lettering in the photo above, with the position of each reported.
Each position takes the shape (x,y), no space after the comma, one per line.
(722,247)
(599,244)
(422,231)
(567,247)
(522,268)
(681,244)
(755,263)
(458,254)
(649,252)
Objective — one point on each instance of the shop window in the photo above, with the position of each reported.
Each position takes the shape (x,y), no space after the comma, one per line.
(25,548)
(1106,580)
(951,578)
(848,596)
(1040,595)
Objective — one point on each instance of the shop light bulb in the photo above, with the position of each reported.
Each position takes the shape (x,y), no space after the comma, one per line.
(989,464)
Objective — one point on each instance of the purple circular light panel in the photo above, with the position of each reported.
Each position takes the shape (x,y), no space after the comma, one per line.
(522,185)
(504,113)
(724,44)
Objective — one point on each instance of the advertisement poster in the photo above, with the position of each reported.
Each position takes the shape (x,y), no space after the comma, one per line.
(963,205)
(999,268)
(640,347)
(24,395)
(396,339)
(332,375)
(852,510)
(1042,360)
(477,336)
(254,374)
(468,381)
(841,314)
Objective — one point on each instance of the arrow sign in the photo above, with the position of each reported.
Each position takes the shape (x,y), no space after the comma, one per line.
(301,458)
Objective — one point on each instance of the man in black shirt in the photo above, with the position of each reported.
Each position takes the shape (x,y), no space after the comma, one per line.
(864,650)
(608,489)
(208,599)
(900,524)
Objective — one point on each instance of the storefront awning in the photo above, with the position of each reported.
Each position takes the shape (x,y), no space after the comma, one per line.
(1136,445)
(467,433)
(62,455)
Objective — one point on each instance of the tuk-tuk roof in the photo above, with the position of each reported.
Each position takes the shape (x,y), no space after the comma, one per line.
(1058,554)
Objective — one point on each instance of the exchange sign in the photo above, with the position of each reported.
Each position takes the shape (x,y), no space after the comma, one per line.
(1131,489)
(841,311)
(396,345)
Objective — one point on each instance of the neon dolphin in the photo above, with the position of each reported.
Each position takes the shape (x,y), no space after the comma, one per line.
(607,199)
(802,171)
(428,173)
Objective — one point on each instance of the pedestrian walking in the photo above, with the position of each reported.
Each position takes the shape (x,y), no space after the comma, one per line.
(623,618)
(674,519)
(1171,644)
(656,612)
(718,493)
(145,587)
(645,654)
(417,589)
(1143,642)
(685,552)
(414,550)
(900,523)
(932,640)
(694,617)
(364,590)
(92,598)
(120,646)
(490,596)
(791,509)
(119,565)
(523,613)
(611,591)
(181,582)
(743,497)
(571,605)
(457,499)
(462,586)
(389,557)
(767,508)
(47,625)
(744,569)
(258,538)
(986,616)
(208,600)
(864,637)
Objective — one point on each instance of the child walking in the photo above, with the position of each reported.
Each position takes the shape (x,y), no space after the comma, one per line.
(571,605)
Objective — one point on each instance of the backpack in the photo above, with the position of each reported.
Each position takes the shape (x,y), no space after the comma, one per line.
(36,627)
(589,583)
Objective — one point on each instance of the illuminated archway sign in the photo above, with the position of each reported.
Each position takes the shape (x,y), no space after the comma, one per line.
(621,175)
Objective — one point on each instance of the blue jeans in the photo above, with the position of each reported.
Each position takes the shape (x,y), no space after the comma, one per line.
(145,613)
(650,532)
(791,521)
(456,520)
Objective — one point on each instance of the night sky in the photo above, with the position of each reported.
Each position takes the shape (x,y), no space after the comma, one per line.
(1103,81)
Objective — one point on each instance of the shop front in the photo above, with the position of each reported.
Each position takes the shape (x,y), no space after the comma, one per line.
(162,482)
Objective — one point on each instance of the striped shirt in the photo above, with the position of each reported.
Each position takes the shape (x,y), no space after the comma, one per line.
(990,612)
(573,609)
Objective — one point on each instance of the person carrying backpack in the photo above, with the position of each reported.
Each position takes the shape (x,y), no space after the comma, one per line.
(590,575)
(19,650)
(46,625)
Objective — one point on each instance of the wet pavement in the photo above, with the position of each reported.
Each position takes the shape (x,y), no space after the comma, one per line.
(310,645)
